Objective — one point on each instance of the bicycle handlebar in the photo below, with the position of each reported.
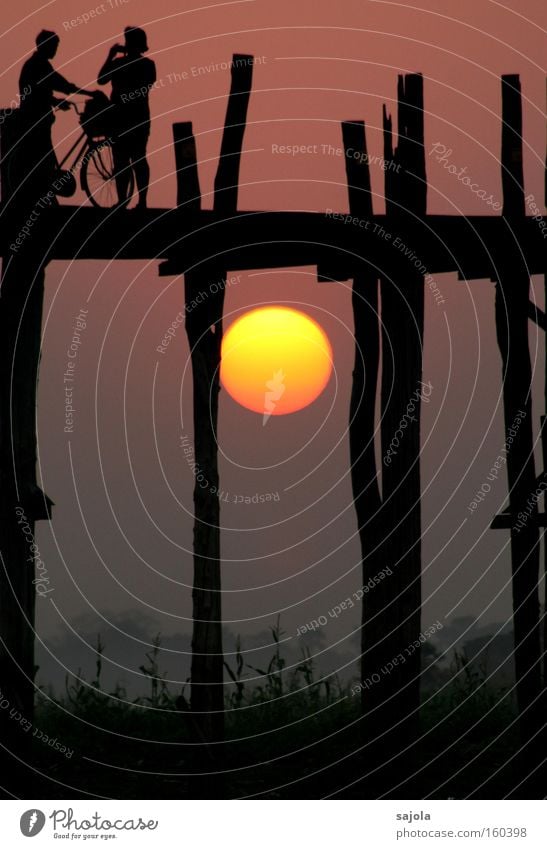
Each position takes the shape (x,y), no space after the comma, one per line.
(58,106)
(74,104)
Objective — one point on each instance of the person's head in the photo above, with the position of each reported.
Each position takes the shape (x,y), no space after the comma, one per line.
(135,40)
(47,43)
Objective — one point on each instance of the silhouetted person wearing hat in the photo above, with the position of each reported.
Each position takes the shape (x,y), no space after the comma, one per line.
(37,83)
(132,75)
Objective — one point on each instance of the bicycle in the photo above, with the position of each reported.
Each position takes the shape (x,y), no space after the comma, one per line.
(94,159)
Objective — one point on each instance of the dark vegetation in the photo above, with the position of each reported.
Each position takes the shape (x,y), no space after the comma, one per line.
(291,733)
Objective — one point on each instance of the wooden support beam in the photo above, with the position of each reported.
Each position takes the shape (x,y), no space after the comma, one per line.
(188,189)
(512,174)
(537,315)
(22,502)
(364,472)
(506,520)
(207,691)
(543,595)
(204,328)
(227,176)
(512,316)
(470,245)
(396,697)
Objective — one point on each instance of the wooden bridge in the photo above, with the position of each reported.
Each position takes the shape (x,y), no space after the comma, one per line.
(473,247)
(205,245)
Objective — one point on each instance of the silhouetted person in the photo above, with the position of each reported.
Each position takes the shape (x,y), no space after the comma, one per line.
(37,82)
(132,75)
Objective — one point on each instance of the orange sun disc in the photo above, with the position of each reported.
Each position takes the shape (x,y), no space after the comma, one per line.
(275,360)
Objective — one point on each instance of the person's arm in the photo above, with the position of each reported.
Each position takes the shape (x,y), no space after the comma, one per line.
(59,83)
(60,103)
(109,67)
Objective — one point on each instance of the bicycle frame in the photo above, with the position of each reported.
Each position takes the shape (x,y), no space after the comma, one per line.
(80,153)
(88,143)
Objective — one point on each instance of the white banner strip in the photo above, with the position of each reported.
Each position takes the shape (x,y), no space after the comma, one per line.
(271,825)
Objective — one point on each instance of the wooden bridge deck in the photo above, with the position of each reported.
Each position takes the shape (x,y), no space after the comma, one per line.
(339,244)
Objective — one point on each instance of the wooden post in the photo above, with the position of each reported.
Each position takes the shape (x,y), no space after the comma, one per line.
(227,176)
(364,473)
(512,297)
(544,443)
(204,329)
(188,189)
(207,693)
(22,502)
(366,363)
(394,696)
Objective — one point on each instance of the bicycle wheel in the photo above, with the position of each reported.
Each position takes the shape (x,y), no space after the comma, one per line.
(97,177)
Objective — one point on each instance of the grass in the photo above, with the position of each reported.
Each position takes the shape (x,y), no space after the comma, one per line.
(284,727)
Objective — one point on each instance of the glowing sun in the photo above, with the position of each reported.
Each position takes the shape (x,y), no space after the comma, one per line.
(275,360)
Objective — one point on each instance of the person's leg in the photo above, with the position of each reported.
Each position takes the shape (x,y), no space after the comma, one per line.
(49,168)
(122,164)
(140,166)
(35,163)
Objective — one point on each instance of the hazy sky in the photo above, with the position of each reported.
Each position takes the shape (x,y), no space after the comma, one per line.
(121,537)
